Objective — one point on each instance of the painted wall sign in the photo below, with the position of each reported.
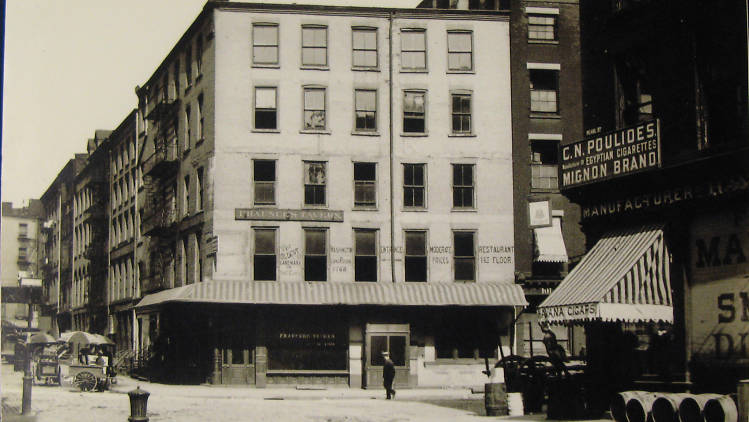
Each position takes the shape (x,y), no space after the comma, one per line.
(539,214)
(719,290)
(665,197)
(274,214)
(608,155)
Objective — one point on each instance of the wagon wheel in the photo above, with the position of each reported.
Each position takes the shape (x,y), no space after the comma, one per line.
(85,380)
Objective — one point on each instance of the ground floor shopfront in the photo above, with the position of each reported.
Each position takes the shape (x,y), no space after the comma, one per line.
(438,340)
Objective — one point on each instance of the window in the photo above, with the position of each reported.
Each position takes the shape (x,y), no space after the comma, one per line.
(186,196)
(199,55)
(265,44)
(414,185)
(314,108)
(188,65)
(542,27)
(314,46)
(460,50)
(416,255)
(461,112)
(315,255)
(198,259)
(463,185)
(183,269)
(365,184)
(414,116)
(544,90)
(365,105)
(365,255)
(175,80)
(264,178)
(23,229)
(364,46)
(314,183)
(265,108)
(188,132)
(264,259)
(413,49)
(199,191)
(465,256)
(544,162)
(201,133)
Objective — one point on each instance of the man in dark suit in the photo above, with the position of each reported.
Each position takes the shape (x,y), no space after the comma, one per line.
(388,375)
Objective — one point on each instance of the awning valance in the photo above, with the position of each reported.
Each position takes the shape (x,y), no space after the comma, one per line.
(550,243)
(341,293)
(624,277)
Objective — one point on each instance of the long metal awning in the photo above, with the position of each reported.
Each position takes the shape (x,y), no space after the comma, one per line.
(624,277)
(341,293)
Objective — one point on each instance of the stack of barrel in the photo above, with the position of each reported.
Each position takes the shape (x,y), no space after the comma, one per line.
(643,406)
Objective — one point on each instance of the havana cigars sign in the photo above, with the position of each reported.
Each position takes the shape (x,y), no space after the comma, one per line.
(609,155)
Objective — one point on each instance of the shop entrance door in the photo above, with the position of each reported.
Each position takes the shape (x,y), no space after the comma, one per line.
(237,363)
(393,338)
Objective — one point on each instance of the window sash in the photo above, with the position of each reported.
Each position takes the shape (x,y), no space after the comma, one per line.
(460,50)
(544,176)
(365,255)
(364,46)
(314,183)
(315,255)
(413,49)
(264,259)
(314,108)
(544,87)
(542,27)
(265,108)
(464,247)
(264,180)
(265,44)
(413,185)
(415,260)
(365,178)
(463,185)
(314,46)
(461,113)
(365,109)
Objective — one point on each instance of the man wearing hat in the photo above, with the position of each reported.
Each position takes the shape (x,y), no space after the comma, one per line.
(388,374)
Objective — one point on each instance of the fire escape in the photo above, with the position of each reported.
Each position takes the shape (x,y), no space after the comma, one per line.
(160,169)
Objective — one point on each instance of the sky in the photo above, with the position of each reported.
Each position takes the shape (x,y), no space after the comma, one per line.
(71,67)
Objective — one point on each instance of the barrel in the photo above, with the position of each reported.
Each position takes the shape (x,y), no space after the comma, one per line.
(618,405)
(639,406)
(690,409)
(495,399)
(666,406)
(721,409)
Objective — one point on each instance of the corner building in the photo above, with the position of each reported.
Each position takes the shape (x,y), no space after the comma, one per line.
(321,184)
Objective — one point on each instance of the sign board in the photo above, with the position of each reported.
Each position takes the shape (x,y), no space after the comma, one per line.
(31,282)
(539,214)
(274,214)
(610,155)
(15,294)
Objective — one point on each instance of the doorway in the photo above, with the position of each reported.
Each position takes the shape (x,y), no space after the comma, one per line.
(393,338)
(237,360)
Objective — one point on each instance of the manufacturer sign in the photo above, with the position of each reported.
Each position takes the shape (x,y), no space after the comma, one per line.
(610,155)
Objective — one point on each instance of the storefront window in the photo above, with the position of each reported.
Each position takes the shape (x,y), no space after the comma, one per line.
(300,347)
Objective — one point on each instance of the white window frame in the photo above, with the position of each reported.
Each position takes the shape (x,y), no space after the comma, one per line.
(409,51)
(460,52)
(354,49)
(314,47)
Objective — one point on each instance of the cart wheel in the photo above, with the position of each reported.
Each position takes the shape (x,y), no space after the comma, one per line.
(85,380)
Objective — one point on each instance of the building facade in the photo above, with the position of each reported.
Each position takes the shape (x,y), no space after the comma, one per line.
(546,112)
(661,180)
(321,184)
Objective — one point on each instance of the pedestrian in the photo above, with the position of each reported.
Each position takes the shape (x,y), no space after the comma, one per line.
(554,350)
(388,375)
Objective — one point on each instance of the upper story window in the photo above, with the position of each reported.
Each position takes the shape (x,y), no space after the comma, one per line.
(634,91)
(314,46)
(314,108)
(199,190)
(463,185)
(365,109)
(413,49)
(365,185)
(264,181)
(175,79)
(544,164)
(542,27)
(188,65)
(315,254)
(460,50)
(416,255)
(199,55)
(464,255)
(364,47)
(414,185)
(265,108)
(365,255)
(23,229)
(201,130)
(264,257)
(265,44)
(188,129)
(186,196)
(314,183)
(414,111)
(544,85)
(461,113)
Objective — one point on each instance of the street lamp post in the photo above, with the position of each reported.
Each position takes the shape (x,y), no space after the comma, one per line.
(28,284)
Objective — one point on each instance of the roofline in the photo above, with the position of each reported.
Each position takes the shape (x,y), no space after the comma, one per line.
(128,120)
(490,15)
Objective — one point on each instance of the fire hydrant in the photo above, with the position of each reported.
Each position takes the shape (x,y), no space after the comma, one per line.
(138,405)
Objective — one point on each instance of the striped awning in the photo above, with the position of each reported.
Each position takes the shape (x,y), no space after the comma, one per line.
(624,277)
(549,245)
(341,293)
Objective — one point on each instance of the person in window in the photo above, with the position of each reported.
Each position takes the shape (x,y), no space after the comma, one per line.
(556,352)
(388,375)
